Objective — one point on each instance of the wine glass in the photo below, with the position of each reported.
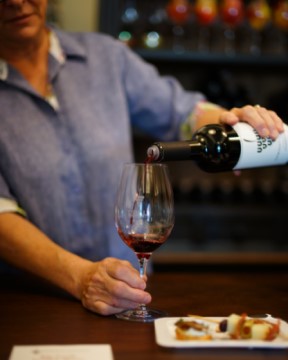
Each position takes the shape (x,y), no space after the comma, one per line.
(144,217)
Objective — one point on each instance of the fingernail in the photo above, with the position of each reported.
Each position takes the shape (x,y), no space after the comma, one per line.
(147,299)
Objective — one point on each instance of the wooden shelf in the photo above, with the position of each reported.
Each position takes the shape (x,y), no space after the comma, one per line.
(166,55)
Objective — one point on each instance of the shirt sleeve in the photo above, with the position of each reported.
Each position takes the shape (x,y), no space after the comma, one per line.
(188,126)
(8,205)
(158,104)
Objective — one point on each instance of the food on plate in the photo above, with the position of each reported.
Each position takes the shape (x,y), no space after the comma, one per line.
(239,327)
(192,330)
(243,327)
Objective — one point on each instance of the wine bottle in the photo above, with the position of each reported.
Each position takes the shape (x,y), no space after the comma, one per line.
(217,147)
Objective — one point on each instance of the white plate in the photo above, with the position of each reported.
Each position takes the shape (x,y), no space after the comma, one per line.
(165,336)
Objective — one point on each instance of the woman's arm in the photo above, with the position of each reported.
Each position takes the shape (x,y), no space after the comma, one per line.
(107,287)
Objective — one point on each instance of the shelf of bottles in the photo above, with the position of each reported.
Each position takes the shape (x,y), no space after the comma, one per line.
(188,28)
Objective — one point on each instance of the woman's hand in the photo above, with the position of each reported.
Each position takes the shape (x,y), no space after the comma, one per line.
(111,286)
(266,122)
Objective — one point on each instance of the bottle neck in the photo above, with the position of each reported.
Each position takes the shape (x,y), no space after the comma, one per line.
(214,147)
(176,150)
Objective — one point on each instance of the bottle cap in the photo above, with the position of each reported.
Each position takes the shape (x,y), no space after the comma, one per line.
(153,152)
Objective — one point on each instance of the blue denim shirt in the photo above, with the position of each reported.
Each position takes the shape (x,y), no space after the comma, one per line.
(61,161)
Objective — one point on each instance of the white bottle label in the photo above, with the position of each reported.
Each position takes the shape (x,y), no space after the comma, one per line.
(260,152)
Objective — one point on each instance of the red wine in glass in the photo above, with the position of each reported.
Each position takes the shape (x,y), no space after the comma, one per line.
(144,245)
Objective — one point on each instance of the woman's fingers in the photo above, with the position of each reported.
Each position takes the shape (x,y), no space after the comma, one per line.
(266,122)
(112,286)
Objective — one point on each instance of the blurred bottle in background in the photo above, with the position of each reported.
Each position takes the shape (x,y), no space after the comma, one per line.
(179,12)
(232,15)
(129,26)
(230,27)
(259,17)
(206,14)
(156,28)
(280,22)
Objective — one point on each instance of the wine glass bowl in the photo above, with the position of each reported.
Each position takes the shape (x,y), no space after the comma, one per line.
(144,218)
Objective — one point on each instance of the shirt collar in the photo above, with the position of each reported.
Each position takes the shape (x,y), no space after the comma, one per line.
(3,70)
(56,50)
(72,46)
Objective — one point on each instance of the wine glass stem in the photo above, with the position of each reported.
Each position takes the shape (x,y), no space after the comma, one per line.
(142,266)
(142,270)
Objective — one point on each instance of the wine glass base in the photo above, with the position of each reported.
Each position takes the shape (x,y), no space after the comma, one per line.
(141,315)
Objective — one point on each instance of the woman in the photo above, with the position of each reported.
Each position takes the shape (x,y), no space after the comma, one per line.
(68,102)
